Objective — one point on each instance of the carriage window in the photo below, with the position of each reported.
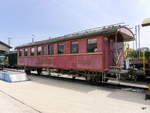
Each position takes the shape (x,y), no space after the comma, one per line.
(50,50)
(32,51)
(39,50)
(92,45)
(74,47)
(20,52)
(60,48)
(44,50)
(26,52)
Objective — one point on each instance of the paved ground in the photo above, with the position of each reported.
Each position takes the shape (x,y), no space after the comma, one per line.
(57,96)
(10,105)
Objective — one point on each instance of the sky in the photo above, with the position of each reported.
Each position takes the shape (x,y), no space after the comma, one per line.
(22,20)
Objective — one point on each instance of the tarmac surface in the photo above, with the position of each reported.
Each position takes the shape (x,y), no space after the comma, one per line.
(48,95)
(10,105)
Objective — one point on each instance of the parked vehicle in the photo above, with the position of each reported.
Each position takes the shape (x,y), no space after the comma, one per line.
(11,59)
(2,57)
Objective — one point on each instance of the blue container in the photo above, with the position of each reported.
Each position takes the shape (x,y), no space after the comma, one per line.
(5,76)
(0,75)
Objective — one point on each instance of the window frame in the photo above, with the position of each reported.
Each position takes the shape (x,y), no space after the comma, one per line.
(88,44)
(58,45)
(20,52)
(44,52)
(51,52)
(32,53)
(39,53)
(71,47)
(26,52)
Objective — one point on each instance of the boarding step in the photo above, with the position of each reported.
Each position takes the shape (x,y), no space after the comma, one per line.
(110,78)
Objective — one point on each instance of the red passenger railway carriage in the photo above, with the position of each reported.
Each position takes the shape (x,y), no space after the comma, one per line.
(90,52)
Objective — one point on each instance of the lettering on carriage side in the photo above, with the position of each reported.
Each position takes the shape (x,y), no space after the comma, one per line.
(46,61)
(85,62)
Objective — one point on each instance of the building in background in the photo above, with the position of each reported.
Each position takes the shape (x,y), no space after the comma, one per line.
(142,49)
(4,47)
(146,22)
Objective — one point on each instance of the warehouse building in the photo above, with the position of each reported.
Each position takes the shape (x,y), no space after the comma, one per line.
(4,47)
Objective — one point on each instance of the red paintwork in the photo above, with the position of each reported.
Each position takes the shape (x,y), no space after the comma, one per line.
(77,62)
(99,61)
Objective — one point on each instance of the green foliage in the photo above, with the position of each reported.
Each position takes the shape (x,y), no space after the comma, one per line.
(147,54)
(132,54)
(135,54)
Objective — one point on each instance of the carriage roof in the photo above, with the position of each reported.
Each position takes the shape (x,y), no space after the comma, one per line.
(124,31)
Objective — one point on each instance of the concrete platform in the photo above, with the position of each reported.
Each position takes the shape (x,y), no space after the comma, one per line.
(59,96)
(12,76)
(130,83)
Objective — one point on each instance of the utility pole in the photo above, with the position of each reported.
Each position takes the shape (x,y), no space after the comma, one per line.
(133,45)
(136,38)
(9,38)
(33,38)
(139,39)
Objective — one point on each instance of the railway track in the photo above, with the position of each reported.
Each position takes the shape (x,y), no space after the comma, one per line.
(129,85)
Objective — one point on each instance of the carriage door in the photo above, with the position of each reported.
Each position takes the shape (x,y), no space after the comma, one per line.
(117,52)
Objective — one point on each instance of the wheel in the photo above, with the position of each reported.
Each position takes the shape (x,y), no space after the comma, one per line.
(134,77)
(73,77)
(28,72)
(39,71)
(91,80)
(88,78)
(98,79)
(106,80)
